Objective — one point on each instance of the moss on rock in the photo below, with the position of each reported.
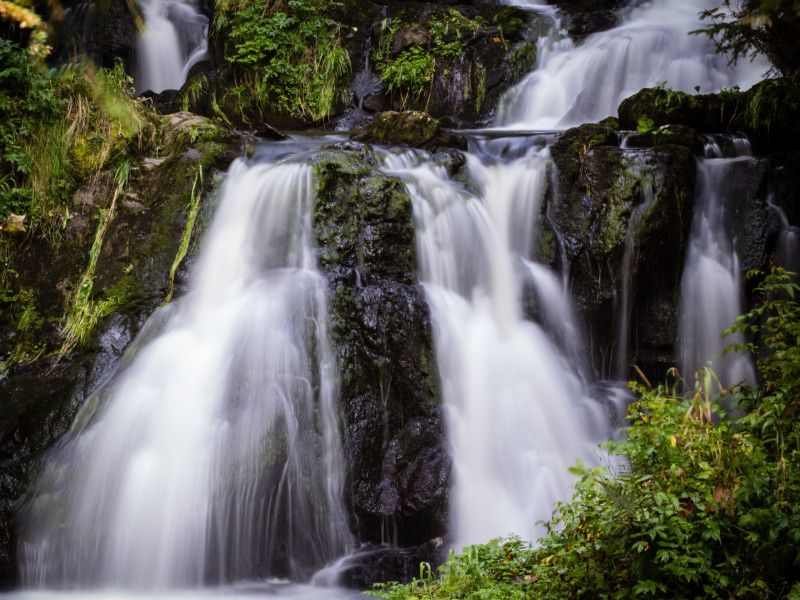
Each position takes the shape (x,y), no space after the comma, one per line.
(399,470)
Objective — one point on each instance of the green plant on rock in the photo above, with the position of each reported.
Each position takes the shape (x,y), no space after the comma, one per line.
(292,61)
(411,71)
(58,128)
(85,311)
(646,125)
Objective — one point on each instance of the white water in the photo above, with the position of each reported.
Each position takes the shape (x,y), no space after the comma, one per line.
(513,399)
(711,286)
(277,590)
(583,84)
(213,455)
(172,39)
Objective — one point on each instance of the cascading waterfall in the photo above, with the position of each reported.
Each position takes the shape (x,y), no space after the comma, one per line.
(172,39)
(711,287)
(213,454)
(512,398)
(573,85)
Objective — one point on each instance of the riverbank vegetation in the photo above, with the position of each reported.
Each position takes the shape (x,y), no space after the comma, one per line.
(700,504)
(61,127)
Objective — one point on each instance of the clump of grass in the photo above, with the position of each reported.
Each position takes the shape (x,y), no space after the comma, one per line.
(85,311)
(194,209)
(59,128)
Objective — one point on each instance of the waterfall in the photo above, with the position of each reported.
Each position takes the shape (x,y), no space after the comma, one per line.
(513,399)
(624,299)
(213,454)
(172,39)
(711,287)
(583,84)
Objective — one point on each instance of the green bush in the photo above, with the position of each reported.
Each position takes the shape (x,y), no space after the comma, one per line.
(411,71)
(58,127)
(291,61)
(704,507)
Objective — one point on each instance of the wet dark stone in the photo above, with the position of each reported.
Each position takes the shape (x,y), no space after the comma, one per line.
(585,17)
(598,187)
(394,440)
(165,102)
(371,564)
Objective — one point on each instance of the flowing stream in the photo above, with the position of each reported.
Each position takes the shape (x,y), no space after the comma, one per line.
(173,38)
(213,454)
(515,402)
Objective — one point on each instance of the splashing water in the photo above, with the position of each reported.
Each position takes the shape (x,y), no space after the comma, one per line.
(213,455)
(512,398)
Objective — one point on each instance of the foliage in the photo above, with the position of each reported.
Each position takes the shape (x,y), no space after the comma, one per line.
(59,127)
(646,125)
(291,61)
(194,209)
(702,506)
(411,70)
(743,28)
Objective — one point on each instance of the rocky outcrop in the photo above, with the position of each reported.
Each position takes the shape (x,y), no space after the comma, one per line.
(132,271)
(768,113)
(409,128)
(399,469)
(476,52)
(584,17)
(600,210)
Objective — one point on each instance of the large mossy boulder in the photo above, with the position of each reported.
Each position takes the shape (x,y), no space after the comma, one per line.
(609,202)
(130,279)
(399,469)
(768,113)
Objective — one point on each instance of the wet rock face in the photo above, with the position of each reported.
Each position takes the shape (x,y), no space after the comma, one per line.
(585,17)
(598,188)
(394,441)
(105,30)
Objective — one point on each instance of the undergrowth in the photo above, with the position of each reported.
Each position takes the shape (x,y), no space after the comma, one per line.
(705,506)
(286,57)
(58,128)
(410,71)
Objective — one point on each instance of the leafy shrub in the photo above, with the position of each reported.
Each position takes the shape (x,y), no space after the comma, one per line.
(58,127)
(704,506)
(410,71)
(292,61)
